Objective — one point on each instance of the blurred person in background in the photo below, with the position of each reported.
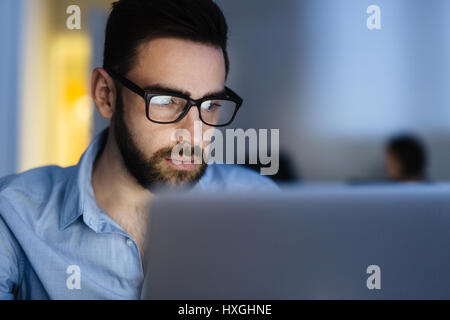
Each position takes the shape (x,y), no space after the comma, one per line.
(405,159)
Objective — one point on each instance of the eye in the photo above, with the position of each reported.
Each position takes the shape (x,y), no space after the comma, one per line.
(211,106)
(168,102)
(162,100)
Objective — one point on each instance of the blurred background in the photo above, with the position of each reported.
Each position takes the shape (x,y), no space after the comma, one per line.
(311,68)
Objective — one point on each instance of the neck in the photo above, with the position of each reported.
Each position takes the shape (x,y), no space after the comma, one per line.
(116,191)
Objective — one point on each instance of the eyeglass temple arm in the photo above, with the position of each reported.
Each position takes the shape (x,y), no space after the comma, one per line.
(234,95)
(127,83)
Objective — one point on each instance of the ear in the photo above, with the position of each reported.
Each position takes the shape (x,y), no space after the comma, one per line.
(103,93)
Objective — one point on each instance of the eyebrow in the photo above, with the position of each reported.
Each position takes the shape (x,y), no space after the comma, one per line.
(171,90)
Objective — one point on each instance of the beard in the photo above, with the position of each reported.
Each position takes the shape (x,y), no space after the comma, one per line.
(152,173)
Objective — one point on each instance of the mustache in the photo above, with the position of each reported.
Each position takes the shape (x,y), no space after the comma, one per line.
(185,150)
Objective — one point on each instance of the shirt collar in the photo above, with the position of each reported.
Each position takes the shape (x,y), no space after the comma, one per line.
(79,198)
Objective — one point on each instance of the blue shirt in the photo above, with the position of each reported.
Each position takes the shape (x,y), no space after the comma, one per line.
(56,243)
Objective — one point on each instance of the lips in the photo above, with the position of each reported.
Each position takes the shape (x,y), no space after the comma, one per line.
(182,160)
(184,164)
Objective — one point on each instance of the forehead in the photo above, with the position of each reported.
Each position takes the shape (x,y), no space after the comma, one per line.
(181,64)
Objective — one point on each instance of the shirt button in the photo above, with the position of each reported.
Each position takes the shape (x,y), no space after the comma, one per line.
(129,242)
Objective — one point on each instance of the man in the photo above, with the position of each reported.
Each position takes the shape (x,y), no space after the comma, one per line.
(405,159)
(78,233)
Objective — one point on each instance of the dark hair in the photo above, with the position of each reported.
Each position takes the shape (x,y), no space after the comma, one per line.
(132,22)
(411,154)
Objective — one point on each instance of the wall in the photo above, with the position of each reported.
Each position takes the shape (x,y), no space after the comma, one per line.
(10,36)
(337,90)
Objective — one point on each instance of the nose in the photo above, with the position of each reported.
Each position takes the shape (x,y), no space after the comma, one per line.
(192,116)
(191,121)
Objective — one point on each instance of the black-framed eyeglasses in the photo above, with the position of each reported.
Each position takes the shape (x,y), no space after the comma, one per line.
(169,107)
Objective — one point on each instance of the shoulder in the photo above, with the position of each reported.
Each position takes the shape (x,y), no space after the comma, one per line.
(35,181)
(235,177)
(32,190)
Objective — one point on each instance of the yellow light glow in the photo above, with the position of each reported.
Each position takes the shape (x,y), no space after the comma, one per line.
(70,104)
(56,111)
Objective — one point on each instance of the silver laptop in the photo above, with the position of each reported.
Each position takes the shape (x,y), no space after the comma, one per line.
(338,242)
